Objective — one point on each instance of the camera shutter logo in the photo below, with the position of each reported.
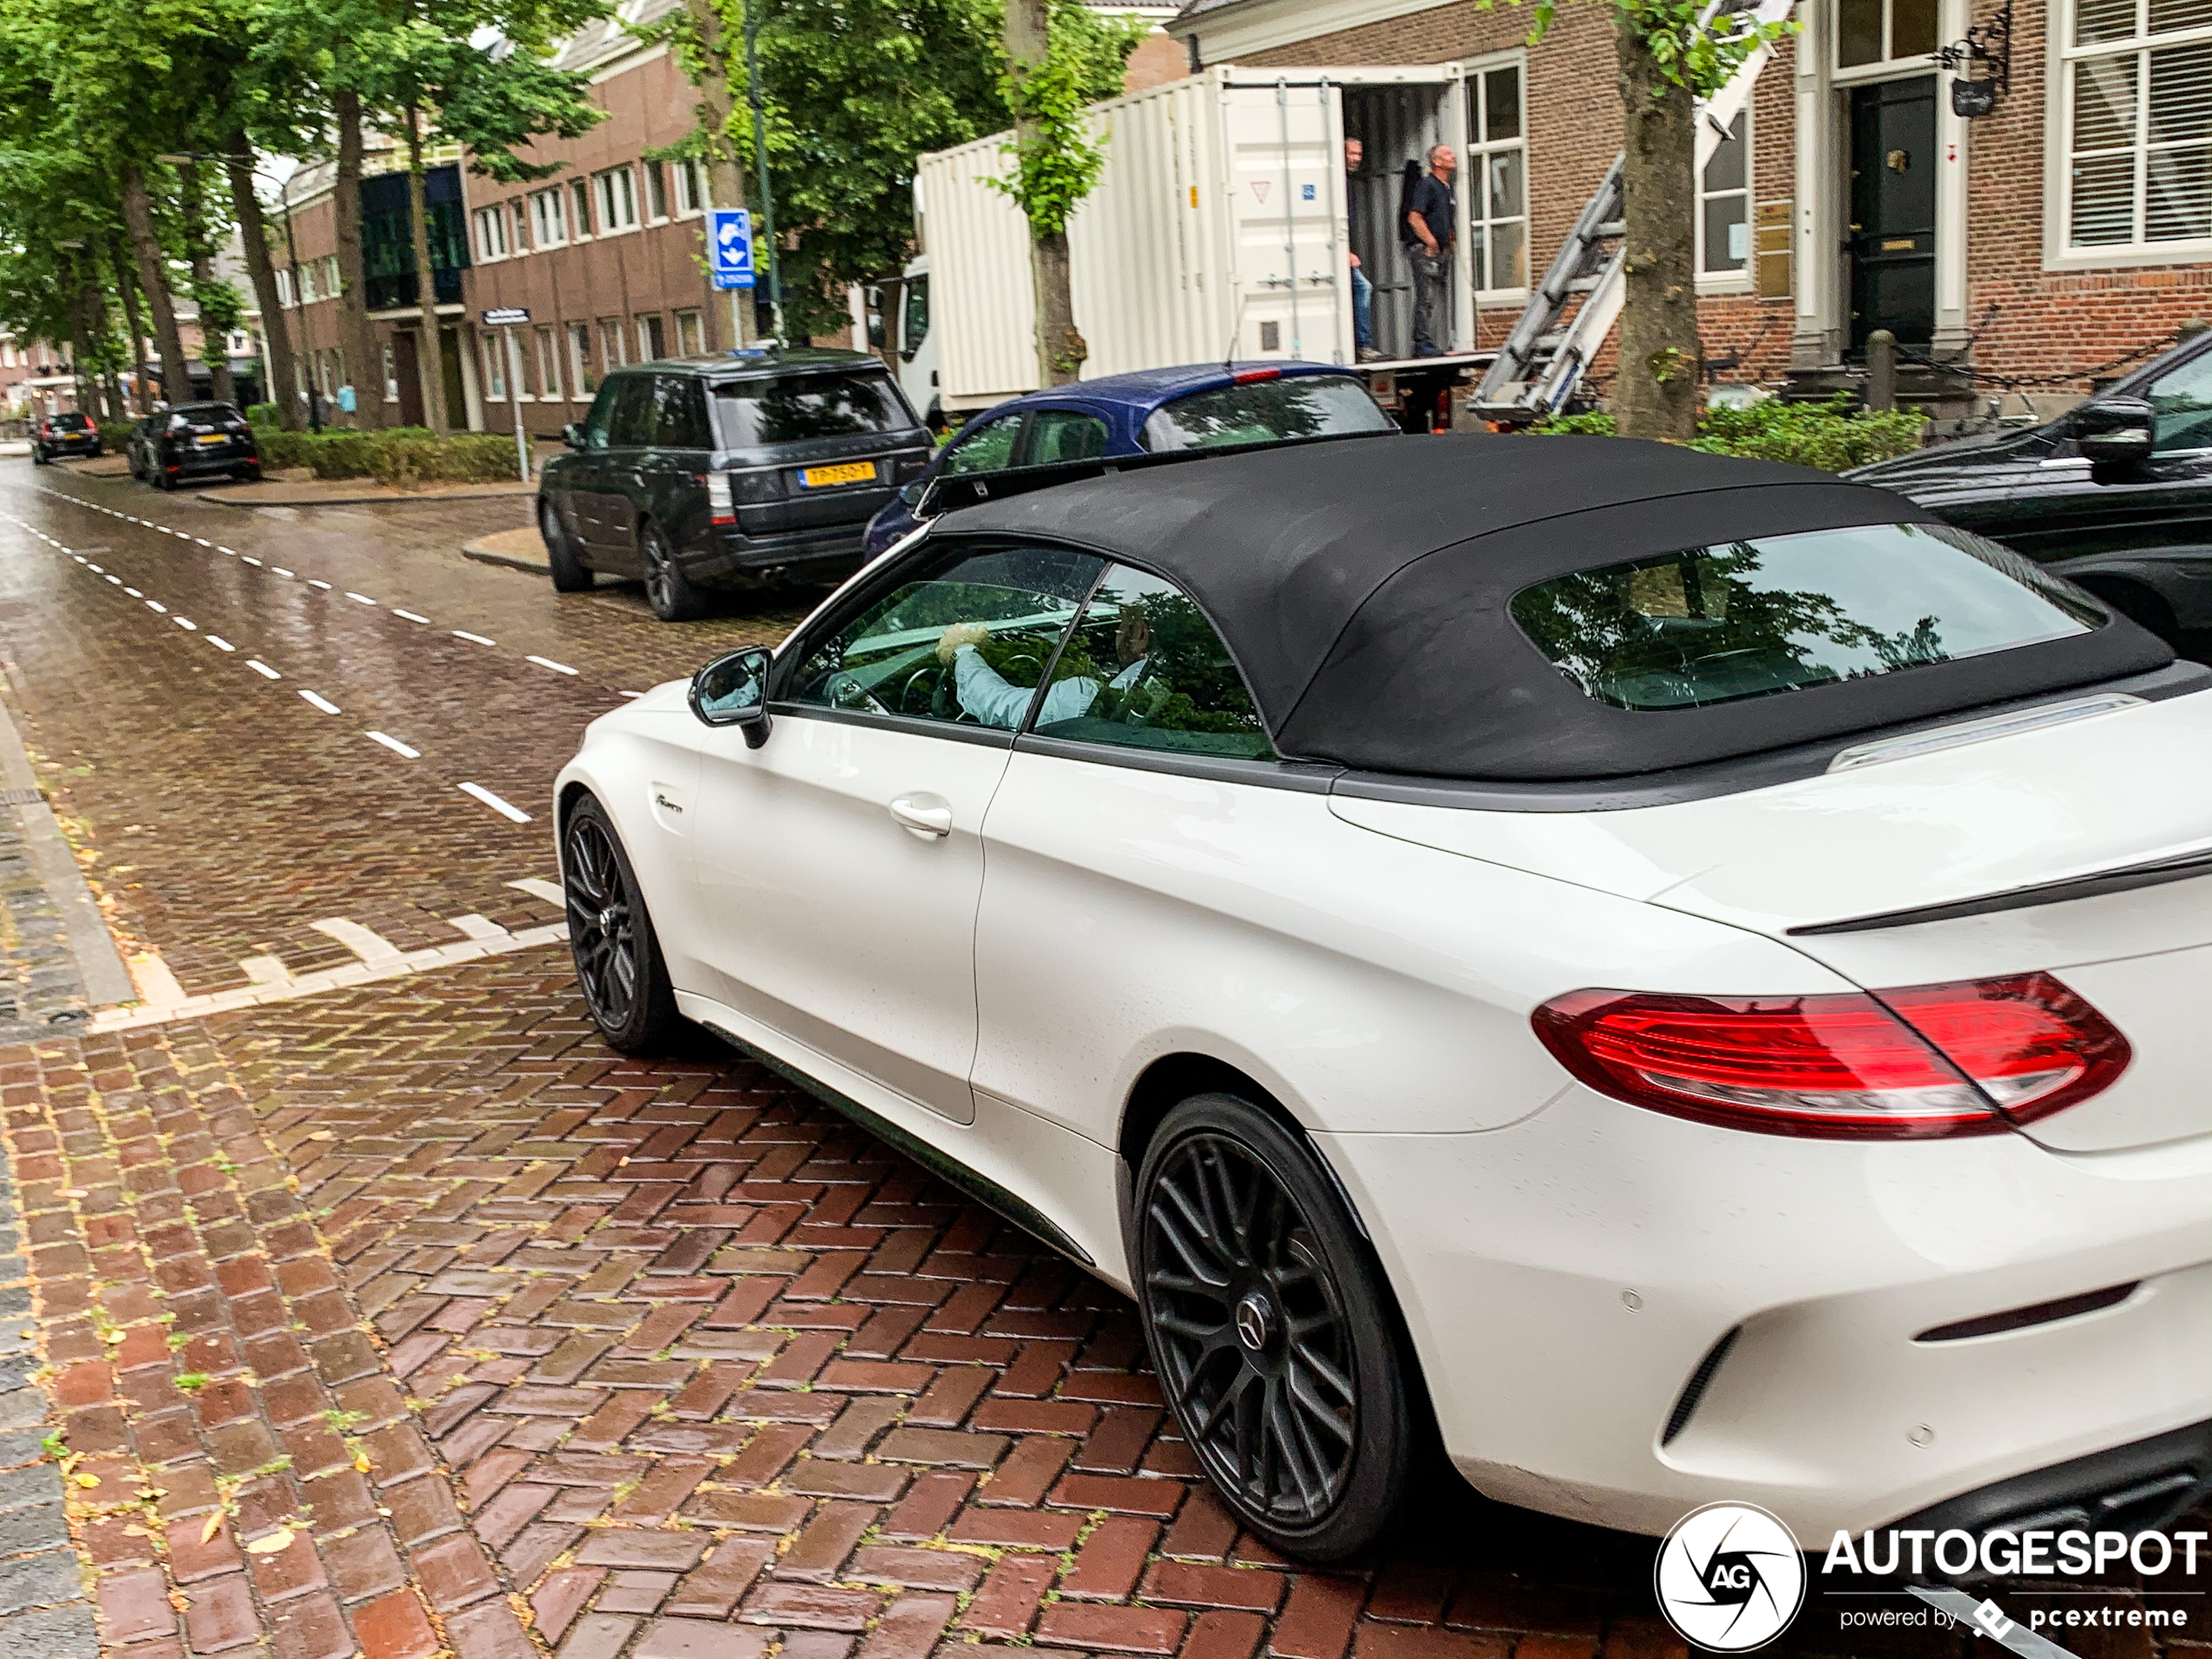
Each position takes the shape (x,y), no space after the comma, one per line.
(1729,1577)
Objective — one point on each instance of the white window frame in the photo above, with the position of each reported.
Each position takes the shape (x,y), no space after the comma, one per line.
(691,195)
(581,383)
(492,234)
(690,333)
(549,218)
(645,322)
(1725,281)
(545,342)
(284,287)
(614,344)
(579,209)
(656,183)
(1474,177)
(614,199)
(2061,252)
(332,283)
(518,225)
(494,356)
(1888,64)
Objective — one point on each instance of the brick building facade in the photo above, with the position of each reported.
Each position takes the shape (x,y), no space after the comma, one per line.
(2070,226)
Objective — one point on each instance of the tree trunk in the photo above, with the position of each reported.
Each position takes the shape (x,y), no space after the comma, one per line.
(357,337)
(724,179)
(128,296)
(260,271)
(79,332)
(1655,393)
(1060,350)
(431,356)
(153,280)
(214,350)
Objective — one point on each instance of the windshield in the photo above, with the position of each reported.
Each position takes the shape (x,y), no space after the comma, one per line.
(835,405)
(70,422)
(1785,613)
(1311,406)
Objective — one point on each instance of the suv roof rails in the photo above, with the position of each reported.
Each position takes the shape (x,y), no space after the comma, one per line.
(951,492)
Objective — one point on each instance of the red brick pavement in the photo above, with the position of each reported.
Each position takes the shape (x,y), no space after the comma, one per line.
(411,1320)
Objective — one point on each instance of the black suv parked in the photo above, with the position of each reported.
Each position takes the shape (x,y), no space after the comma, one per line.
(2116,493)
(63,434)
(191,441)
(728,471)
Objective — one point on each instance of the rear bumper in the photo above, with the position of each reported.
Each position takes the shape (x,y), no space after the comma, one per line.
(1566,1279)
(834,549)
(191,464)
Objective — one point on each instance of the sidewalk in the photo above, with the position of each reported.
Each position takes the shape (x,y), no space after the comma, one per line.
(521,549)
(351,492)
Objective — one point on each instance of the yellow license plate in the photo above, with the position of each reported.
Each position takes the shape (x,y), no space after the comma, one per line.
(851,472)
(210,437)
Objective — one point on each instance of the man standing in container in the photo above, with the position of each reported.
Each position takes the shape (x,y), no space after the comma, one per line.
(1431,212)
(1362,292)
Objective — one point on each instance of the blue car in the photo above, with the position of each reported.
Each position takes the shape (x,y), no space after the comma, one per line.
(1201,406)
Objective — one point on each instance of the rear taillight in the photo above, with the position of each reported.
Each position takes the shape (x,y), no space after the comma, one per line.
(719,507)
(1961,1059)
(1246,376)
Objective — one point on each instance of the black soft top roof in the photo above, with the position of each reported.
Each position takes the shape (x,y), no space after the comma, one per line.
(1362,588)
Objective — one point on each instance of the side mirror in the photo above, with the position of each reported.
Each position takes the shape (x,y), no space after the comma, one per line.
(2115,431)
(733,691)
(572,435)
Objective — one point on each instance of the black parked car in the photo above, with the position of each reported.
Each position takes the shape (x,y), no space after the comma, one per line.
(728,471)
(173,446)
(52,435)
(2115,494)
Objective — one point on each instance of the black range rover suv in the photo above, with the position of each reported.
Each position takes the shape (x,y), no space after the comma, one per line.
(731,470)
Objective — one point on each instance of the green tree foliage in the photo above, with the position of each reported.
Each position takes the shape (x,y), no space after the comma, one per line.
(1061,153)
(1832,436)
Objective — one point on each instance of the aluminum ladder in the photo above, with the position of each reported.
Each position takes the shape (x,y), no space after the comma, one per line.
(1542,360)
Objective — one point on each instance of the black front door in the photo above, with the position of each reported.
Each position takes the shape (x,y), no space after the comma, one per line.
(1893,210)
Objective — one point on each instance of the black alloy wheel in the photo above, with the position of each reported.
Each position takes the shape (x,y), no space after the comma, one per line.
(38,457)
(571,573)
(1271,1330)
(610,936)
(667,588)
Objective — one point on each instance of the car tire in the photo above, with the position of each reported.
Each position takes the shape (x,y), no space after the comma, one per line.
(164,480)
(38,456)
(667,588)
(617,956)
(1271,1330)
(571,573)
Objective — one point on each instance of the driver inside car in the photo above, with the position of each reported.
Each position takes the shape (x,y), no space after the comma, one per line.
(986,694)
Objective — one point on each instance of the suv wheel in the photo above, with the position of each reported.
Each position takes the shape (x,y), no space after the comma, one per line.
(1271,1329)
(37,456)
(667,588)
(571,573)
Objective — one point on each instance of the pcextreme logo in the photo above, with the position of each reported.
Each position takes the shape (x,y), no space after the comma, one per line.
(1729,1577)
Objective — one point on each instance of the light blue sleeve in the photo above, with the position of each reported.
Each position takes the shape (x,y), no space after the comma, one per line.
(985,694)
(1069,700)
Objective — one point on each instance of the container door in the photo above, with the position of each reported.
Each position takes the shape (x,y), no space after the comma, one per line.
(1283,158)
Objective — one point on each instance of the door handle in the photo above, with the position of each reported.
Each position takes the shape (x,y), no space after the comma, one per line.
(924,817)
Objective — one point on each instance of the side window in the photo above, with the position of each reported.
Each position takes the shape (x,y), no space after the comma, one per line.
(680,413)
(989,449)
(631,427)
(1064,434)
(964,640)
(601,420)
(1144,669)
(2182,399)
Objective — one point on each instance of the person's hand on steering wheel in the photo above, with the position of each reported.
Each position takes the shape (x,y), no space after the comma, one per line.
(960,633)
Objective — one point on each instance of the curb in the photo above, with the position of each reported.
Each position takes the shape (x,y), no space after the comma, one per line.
(484,555)
(99,966)
(491,492)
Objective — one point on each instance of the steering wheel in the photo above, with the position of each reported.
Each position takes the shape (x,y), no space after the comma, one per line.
(840,690)
(923,688)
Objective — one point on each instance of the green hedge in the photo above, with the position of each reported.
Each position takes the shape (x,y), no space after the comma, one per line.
(115,435)
(263,415)
(403,455)
(1833,436)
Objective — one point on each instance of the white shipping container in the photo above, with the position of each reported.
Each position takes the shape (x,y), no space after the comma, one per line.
(1218,228)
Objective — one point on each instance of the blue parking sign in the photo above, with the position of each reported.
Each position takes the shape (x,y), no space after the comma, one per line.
(729,241)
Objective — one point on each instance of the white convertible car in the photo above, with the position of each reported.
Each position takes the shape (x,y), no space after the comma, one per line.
(1678,972)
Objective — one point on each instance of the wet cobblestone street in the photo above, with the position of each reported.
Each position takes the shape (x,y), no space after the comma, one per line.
(401,1317)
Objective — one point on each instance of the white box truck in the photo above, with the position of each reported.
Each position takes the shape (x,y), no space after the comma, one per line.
(1220,227)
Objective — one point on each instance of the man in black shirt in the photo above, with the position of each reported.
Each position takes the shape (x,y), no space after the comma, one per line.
(1430,217)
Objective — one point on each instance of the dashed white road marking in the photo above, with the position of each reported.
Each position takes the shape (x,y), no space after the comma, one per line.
(316,582)
(278,570)
(547,662)
(371,947)
(156,606)
(185,622)
(116,580)
(320,701)
(503,808)
(250,559)
(134,593)
(219,642)
(408,616)
(262,669)
(461,633)
(393,745)
(362,598)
